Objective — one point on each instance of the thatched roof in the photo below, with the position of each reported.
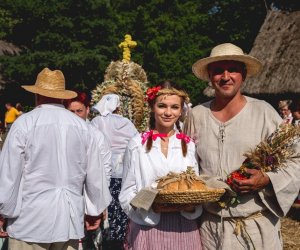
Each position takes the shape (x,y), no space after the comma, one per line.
(7,49)
(278,47)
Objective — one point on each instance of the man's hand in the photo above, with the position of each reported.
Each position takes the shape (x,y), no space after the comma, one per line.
(3,234)
(92,222)
(257,181)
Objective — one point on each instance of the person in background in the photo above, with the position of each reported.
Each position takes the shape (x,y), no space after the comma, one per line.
(20,108)
(10,116)
(285,111)
(295,110)
(119,130)
(51,172)
(224,129)
(154,154)
(80,106)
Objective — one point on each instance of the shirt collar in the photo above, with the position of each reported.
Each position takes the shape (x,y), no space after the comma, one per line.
(51,105)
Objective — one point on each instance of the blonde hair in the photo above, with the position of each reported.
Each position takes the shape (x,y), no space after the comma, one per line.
(173,91)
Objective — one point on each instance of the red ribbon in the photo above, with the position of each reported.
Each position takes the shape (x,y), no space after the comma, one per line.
(147,134)
(184,137)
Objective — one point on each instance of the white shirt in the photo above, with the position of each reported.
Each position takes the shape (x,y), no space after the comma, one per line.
(118,130)
(104,149)
(141,169)
(50,175)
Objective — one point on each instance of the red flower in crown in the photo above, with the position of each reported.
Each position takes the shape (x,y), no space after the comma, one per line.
(152,92)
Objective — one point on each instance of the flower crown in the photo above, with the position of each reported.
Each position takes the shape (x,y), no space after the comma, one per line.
(153,92)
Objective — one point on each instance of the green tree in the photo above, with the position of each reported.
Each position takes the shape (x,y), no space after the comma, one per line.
(77,37)
(7,23)
(237,21)
(173,34)
(81,37)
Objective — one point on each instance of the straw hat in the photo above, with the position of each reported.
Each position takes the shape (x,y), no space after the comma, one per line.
(230,52)
(51,84)
(284,103)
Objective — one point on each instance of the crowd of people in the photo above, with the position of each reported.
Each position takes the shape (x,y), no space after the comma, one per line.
(67,182)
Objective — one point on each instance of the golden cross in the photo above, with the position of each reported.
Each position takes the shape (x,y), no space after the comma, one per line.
(126,45)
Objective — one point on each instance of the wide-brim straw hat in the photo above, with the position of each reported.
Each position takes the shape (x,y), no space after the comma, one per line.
(51,84)
(226,52)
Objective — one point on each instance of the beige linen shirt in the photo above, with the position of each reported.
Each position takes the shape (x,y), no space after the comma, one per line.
(220,148)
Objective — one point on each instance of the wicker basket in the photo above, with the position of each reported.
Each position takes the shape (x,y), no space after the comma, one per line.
(189,196)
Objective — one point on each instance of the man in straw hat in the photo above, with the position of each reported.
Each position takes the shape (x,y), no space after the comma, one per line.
(224,129)
(284,108)
(51,172)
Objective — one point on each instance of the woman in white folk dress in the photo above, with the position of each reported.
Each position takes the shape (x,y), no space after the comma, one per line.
(154,154)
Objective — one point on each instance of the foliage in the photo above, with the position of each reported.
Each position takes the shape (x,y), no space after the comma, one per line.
(81,37)
(288,5)
(7,23)
(236,21)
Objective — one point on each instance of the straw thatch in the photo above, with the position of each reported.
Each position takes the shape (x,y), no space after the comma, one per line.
(278,47)
(7,49)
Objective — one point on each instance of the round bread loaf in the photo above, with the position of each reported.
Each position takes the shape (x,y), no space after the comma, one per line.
(181,185)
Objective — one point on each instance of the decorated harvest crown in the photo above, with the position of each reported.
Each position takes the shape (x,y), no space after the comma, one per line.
(129,81)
